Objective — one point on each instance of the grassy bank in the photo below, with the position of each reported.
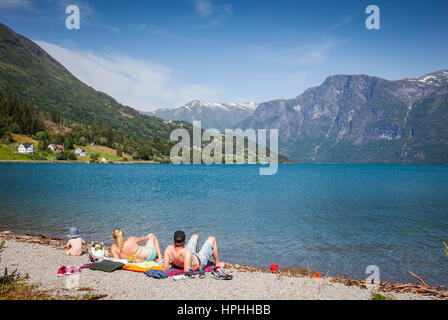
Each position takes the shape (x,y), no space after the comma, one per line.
(9,151)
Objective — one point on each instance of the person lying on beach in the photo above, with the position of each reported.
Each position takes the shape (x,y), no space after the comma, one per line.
(75,243)
(131,251)
(187,256)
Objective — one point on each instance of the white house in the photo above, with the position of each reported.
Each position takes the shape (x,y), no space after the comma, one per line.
(81,152)
(26,148)
(53,147)
(104,160)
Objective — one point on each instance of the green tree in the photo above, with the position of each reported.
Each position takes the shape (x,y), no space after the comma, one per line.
(15,128)
(68,143)
(65,155)
(41,135)
(119,151)
(43,145)
(95,156)
(136,155)
(103,141)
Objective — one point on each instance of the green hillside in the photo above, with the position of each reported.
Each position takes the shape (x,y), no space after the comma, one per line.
(28,72)
(43,100)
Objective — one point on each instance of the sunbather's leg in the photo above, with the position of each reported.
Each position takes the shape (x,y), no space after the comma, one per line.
(209,249)
(216,252)
(197,241)
(154,242)
(193,243)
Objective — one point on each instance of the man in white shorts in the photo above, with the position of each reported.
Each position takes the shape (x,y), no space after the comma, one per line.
(187,256)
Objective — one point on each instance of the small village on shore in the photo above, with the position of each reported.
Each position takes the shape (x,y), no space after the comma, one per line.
(28,148)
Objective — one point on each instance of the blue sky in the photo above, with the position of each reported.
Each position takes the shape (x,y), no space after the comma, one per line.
(164,53)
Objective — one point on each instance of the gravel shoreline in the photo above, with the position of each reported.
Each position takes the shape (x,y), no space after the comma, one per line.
(41,262)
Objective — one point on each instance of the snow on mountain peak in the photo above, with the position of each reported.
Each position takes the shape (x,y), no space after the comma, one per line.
(197,104)
(432,79)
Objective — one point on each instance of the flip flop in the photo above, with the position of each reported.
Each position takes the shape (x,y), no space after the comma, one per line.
(202,274)
(179,277)
(62,271)
(72,270)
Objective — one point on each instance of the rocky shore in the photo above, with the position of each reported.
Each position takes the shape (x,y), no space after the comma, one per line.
(41,257)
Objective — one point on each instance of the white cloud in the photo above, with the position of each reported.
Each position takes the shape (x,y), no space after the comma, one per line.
(303,55)
(15,4)
(204,7)
(301,76)
(212,13)
(313,54)
(343,22)
(137,83)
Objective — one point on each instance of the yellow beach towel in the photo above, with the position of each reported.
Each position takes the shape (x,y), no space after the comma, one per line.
(142,266)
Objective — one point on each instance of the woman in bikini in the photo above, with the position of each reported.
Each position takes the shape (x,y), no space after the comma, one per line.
(131,251)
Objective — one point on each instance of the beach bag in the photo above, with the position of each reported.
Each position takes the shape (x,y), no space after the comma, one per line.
(97,251)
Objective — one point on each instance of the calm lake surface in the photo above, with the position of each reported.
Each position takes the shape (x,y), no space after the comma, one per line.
(331,218)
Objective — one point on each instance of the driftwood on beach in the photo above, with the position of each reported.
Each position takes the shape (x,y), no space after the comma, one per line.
(36,238)
(422,288)
(31,238)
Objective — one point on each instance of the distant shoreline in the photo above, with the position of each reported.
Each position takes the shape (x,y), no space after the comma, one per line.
(153,162)
(78,161)
(116,162)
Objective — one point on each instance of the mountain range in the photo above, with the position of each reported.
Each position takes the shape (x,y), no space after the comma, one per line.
(347,119)
(360,118)
(212,115)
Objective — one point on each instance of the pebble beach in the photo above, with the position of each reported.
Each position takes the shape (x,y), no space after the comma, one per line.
(41,262)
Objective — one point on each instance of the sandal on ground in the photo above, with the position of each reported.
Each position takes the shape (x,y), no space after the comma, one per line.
(62,270)
(72,270)
(221,274)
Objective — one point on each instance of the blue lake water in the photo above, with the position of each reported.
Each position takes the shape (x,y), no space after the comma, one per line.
(331,218)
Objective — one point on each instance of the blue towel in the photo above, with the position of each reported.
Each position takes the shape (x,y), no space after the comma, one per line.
(158,274)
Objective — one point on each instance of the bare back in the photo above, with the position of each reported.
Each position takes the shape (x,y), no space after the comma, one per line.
(131,248)
(75,246)
(181,257)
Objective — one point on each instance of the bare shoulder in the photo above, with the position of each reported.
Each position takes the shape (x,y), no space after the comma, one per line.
(185,251)
(169,249)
